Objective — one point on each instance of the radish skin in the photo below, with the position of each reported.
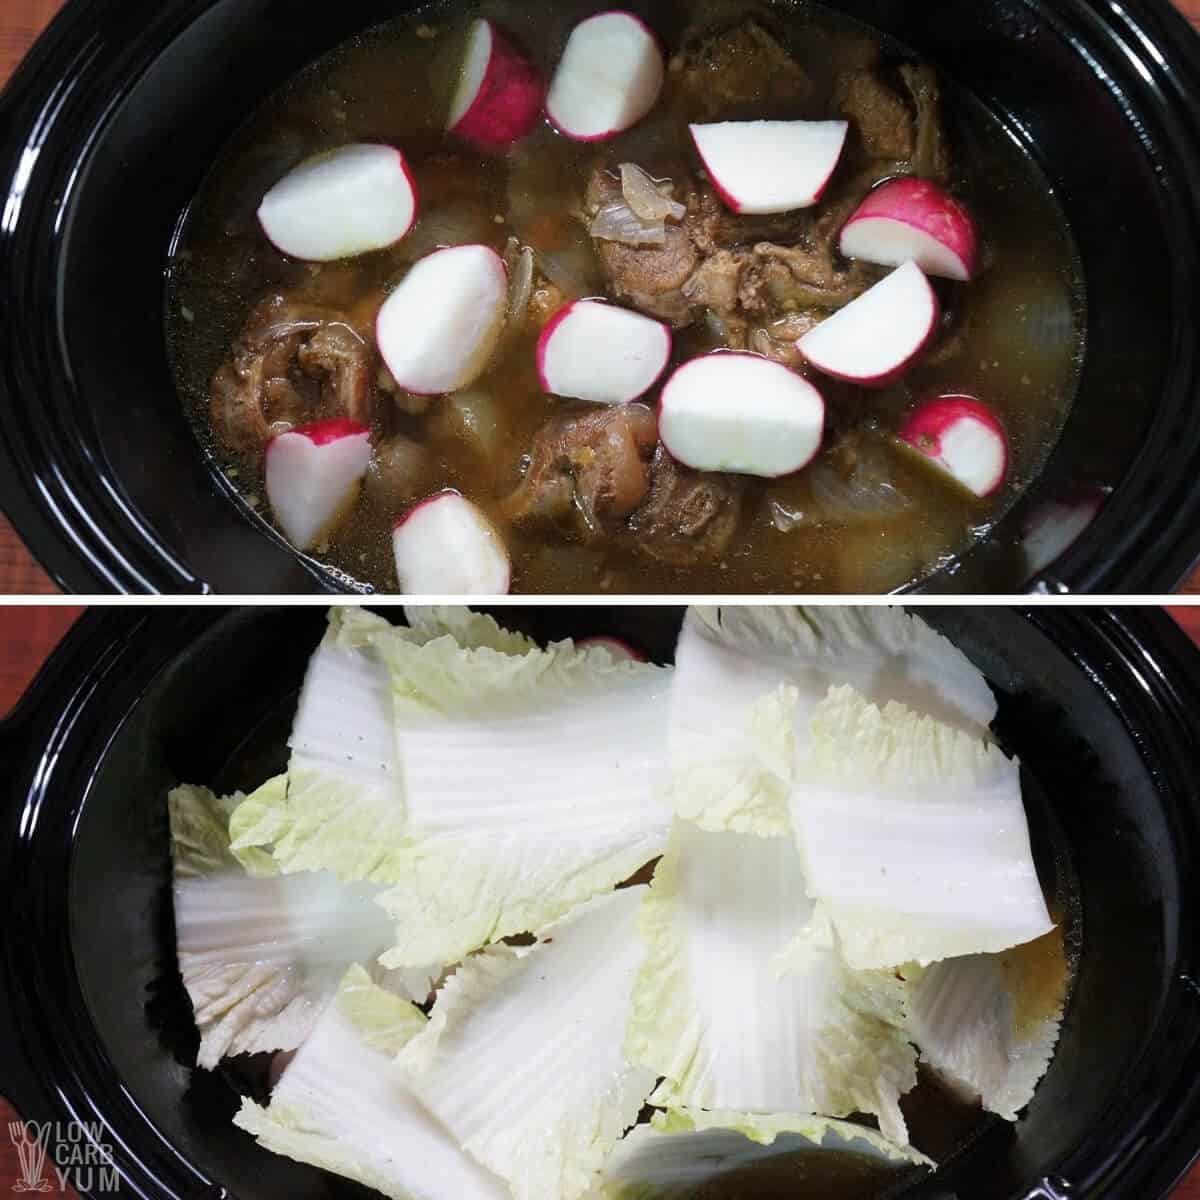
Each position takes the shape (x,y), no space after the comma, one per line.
(875,339)
(610,77)
(619,648)
(764,167)
(351,201)
(914,220)
(964,438)
(312,476)
(500,94)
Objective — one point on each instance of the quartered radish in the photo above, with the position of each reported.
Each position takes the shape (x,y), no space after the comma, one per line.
(619,648)
(964,438)
(438,329)
(599,352)
(875,338)
(913,220)
(770,166)
(500,92)
(610,77)
(447,547)
(313,475)
(741,413)
(338,205)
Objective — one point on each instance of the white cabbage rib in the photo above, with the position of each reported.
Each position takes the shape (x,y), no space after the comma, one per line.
(968,1015)
(534,782)
(913,836)
(523,1057)
(684,1150)
(733,1023)
(729,659)
(260,956)
(344,808)
(342,1106)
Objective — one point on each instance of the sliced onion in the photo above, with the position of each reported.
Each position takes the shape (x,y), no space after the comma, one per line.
(519,260)
(617,222)
(650,200)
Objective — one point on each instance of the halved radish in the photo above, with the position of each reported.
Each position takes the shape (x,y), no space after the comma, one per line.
(438,329)
(313,475)
(338,205)
(763,167)
(610,77)
(1055,526)
(619,648)
(741,413)
(447,547)
(875,338)
(964,437)
(913,220)
(500,93)
(599,352)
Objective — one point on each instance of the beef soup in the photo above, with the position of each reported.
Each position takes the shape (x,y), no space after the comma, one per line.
(861,463)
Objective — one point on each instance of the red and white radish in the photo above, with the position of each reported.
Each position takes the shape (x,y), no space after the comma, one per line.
(763,167)
(447,547)
(913,220)
(313,475)
(964,437)
(741,413)
(874,339)
(619,648)
(338,205)
(610,77)
(439,328)
(1055,526)
(599,352)
(500,93)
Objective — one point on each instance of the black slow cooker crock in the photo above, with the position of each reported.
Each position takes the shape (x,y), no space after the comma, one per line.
(1102,706)
(108,128)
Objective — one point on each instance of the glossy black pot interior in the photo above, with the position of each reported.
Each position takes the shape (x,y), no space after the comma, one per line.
(113,121)
(94,1023)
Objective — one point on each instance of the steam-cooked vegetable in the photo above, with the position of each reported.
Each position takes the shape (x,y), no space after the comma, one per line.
(715,1009)
(533,784)
(260,954)
(523,1058)
(729,659)
(340,1106)
(688,1149)
(913,836)
(971,1017)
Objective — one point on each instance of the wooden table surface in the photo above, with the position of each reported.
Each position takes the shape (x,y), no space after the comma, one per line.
(20,23)
(27,635)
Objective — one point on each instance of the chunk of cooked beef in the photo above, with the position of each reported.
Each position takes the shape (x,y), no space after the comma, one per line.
(790,279)
(689,517)
(931,156)
(888,124)
(293,362)
(651,278)
(745,67)
(589,469)
(710,264)
(779,340)
(881,119)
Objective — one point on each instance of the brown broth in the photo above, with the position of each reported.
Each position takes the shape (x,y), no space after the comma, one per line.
(1023,315)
